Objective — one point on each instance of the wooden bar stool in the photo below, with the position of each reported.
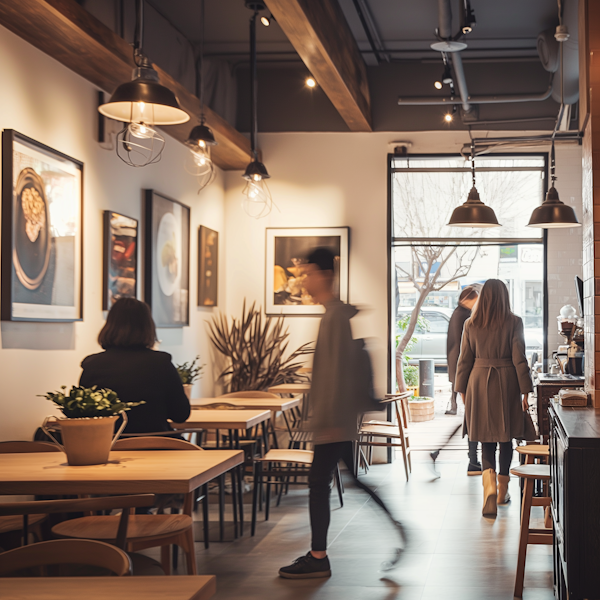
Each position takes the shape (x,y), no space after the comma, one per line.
(528,535)
(533,451)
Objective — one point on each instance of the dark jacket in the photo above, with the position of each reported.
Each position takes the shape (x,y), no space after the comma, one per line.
(455,331)
(140,374)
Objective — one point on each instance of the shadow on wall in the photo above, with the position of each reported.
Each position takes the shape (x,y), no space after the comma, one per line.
(38,336)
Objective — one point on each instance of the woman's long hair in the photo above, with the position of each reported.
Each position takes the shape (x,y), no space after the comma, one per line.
(493,307)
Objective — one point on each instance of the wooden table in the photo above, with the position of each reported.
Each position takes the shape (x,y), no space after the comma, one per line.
(128,472)
(224,419)
(179,587)
(290,388)
(272,404)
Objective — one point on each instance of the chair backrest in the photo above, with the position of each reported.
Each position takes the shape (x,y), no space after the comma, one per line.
(153,443)
(249,395)
(19,447)
(66,552)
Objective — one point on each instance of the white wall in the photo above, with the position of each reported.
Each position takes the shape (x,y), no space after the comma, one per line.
(336,179)
(45,101)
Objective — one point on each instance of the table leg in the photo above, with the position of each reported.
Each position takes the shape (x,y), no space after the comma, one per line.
(240,475)
(221,507)
(205,515)
(234,502)
(265,435)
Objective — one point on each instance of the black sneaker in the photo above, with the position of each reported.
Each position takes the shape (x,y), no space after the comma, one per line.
(474,468)
(307,567)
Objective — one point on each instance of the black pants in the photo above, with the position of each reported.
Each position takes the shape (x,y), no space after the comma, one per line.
(488,456)
(324,462)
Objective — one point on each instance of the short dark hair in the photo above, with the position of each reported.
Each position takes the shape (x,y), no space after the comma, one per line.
(324,258)
(129,324)
(468,293)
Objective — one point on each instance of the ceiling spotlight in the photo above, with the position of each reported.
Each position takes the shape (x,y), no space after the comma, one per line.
(266,21)
(438,85)
(448,117)
(468,18)
(310,82)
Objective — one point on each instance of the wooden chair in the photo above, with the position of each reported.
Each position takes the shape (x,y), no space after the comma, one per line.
(529,535)
(65,554)
(531,453)
(145,531)
(395,433)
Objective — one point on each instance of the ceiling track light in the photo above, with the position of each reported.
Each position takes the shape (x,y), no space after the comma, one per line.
(267,21)
(142,103)
(553,214)
(199,162)
(473,213)
(468,20)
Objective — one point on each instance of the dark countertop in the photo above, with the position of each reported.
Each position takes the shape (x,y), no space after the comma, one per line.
(561,379)
(581,424)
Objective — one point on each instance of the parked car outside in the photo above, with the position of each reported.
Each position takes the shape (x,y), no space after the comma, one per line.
(431,342)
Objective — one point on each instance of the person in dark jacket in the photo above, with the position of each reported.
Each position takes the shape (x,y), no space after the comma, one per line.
(134,371)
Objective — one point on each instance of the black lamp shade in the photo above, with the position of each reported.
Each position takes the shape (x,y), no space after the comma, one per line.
(553,214)
(473,213)
(256,168)
(201,133)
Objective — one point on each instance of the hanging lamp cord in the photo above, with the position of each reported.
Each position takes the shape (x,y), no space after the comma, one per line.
(552,165)
(201,61)
(138,39)
(253,86)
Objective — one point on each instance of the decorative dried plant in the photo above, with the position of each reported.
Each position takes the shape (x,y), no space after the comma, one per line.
(254,349)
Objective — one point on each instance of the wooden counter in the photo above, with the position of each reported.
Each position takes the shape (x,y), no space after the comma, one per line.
(547,387)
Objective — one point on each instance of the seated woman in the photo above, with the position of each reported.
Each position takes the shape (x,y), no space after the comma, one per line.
(134,371)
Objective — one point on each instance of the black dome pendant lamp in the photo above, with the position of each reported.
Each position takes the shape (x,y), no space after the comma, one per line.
(473,213)
(142,103)
(553,214)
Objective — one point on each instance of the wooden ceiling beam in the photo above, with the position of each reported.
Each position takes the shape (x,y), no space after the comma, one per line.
(65,31)
(319,32)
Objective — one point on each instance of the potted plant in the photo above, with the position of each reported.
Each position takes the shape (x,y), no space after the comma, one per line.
(421,408)
(189,372)
(87,431)
(411,378)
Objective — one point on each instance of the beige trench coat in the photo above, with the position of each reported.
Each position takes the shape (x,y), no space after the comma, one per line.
(492,374)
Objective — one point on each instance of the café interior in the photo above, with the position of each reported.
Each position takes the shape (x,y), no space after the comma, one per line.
(191,154)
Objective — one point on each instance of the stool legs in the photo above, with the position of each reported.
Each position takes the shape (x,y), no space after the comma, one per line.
(524,536)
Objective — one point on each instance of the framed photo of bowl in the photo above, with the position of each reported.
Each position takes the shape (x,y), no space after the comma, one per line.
(120,279)
(286,252)
(208,266)
(42,235)
(167,260)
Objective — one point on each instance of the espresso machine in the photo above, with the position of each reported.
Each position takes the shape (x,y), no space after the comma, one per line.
(570,356)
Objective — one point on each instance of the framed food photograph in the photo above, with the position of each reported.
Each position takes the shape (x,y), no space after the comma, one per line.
(208,266)
(42,235)
(120,258)
(286,251)
(167,260)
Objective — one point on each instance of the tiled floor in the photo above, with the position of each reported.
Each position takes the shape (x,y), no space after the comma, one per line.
(454,552)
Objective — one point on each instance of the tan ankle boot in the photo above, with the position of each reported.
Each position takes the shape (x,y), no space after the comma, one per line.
(488,478)
(503,495)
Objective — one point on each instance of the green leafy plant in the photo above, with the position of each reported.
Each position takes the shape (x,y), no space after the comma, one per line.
(190,371)
(255,351)
(88,402)
(411,375)
(420,399)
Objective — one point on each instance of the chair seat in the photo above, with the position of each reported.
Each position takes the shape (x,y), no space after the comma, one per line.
(532,471)
(384,423)
(140,527)
(304,457)
(380,431)
(534,450)
(15,522)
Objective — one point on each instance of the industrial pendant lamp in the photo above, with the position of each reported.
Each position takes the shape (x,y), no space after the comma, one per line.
(257,201)
(473,213)
(201,138)
(553,214)
(142,103)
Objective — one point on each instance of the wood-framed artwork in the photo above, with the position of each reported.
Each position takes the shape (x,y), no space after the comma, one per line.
(167,259)
(208,266)
(42,232)
(120,279)
(286,252)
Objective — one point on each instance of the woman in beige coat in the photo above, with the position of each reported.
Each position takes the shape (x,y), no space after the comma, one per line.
(494,379)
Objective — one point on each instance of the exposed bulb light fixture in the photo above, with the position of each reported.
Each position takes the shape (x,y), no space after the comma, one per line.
(553,214)
(310,82)
(142,103)
(473,213)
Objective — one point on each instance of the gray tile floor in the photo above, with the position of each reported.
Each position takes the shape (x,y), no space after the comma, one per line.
(454,552)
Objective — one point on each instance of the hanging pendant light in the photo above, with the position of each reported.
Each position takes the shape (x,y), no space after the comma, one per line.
(553,214)
(199,162)
(257,201)
(142,103)
(473,213)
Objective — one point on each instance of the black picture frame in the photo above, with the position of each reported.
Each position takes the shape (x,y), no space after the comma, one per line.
(41,268)
(208,267)
(120,258)
(167,260)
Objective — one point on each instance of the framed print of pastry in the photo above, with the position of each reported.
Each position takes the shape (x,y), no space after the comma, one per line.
(41,271)
(287,250)
(120,258)
(208,265)
(167,260)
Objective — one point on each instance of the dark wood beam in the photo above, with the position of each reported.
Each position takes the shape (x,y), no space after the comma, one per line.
(65,31)
(319,32)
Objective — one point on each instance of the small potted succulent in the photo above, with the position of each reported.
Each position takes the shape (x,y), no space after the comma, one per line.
(87,431)
(189,372)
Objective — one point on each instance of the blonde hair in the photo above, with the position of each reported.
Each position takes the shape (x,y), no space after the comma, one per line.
(493,307)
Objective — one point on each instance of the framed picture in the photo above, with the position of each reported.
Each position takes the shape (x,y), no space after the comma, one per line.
(287,249)
(167,260)
(42,236)
(208,266)
(120,258)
